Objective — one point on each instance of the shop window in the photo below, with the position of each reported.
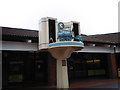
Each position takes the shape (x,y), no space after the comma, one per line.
(95,67)
(85,65)
(15,72)
(15,78)
(96,72)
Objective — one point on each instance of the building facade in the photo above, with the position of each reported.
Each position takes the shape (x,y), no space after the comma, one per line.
(24,66)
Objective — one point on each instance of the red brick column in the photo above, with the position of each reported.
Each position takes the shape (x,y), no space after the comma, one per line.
(113,66)
(52,71)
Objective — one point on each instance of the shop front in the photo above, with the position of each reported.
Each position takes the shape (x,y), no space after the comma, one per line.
(83,66)
(23,69)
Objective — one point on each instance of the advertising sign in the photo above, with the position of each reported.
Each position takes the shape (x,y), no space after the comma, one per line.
(55,34)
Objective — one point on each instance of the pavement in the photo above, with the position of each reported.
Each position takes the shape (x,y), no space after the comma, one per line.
(110,83)
(104,84)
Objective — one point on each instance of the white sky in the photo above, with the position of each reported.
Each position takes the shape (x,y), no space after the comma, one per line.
(95,16)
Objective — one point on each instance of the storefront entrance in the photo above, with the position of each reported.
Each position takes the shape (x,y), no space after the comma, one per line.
(22,69)
(82,66)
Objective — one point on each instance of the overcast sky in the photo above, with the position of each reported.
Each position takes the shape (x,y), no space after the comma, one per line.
(95,16)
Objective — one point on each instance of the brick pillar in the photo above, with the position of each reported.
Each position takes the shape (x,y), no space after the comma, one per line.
(112,65)
(51,70)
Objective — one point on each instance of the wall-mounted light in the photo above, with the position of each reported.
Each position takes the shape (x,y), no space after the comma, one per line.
(29,41)
(108,45)
(114,46)
(93,45)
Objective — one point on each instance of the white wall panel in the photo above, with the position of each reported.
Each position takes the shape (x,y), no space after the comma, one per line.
(97,49)
(24,46)
(20,46)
